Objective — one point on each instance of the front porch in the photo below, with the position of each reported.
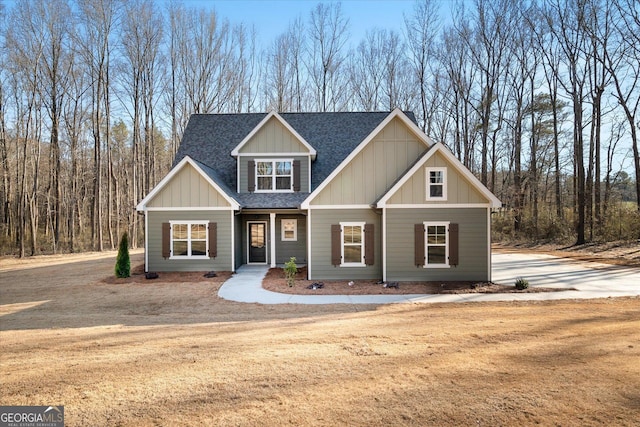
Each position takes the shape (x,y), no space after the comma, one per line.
(271,237)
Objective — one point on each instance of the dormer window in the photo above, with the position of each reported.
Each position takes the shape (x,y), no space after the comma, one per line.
(436,183)
(274,175)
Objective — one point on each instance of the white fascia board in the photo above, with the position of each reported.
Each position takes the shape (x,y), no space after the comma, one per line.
(190,208)
(236,150)
(395,113)
(345,207)
(271,155)
(439,147)
(142,206)
(438,206)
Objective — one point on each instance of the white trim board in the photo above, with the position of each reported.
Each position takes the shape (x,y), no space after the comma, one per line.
(439,206)
(190,208)
(339,207)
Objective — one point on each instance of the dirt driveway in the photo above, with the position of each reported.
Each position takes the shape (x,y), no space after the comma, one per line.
(171,354)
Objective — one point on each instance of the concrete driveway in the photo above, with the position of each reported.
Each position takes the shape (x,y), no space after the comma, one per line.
(591,280)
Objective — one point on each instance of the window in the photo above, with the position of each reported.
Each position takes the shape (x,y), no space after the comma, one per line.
(352,243)
(436,244)
(289,230)
(274,175)
(436,183)
(189,239)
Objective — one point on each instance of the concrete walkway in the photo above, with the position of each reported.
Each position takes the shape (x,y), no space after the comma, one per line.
(592,280)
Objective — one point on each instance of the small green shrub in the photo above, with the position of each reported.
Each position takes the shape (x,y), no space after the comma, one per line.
(290,270)
(123,262)
(521,283)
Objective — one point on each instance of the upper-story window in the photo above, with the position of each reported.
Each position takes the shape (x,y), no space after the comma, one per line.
(274,175)
(436,183)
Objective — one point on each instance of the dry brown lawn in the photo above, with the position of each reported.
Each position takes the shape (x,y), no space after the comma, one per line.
(172,353)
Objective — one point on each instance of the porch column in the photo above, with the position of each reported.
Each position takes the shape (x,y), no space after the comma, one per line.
(272,230)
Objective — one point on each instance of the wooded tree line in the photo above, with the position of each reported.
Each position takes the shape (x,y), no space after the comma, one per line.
(540,99)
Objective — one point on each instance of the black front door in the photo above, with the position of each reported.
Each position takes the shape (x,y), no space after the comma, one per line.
(257,242)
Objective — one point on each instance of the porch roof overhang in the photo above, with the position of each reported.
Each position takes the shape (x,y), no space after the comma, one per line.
(270,201)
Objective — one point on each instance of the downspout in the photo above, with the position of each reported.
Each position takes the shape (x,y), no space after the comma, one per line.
(384,244)
(233,242)
(309,243)
(489,243)
(146,242)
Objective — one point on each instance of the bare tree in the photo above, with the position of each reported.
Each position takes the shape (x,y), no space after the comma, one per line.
(97,20)
(366,72)
(421,30)
(520,79)
(489,47)
(141,38)
(564,21)
(460,76)
(280,74)
(623,63)
(327,36)
(26,50)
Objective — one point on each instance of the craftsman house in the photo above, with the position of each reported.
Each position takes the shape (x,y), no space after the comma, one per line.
(350,195)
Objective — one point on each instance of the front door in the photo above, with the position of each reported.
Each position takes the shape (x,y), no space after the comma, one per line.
(257,236)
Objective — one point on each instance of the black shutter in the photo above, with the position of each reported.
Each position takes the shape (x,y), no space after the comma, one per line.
(453,244)
(166,240)
(336,245)
(419,245)
(213,239)
(296,175)
(369,244)
(251,176)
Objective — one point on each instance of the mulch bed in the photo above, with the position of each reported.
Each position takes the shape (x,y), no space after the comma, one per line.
(275,281)
(138,276)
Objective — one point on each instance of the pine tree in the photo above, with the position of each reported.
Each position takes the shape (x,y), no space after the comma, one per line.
(123,263)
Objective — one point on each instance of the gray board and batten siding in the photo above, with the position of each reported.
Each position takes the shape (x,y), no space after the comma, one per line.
(287,249)
(222,262)
(320,222)
(473,262)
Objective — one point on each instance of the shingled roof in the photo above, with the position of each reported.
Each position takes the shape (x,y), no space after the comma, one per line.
(210,138)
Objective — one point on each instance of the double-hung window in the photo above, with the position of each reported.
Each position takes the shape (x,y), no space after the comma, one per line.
(436,183)
(189,239)
(436,244)
(353,249)
(274,175)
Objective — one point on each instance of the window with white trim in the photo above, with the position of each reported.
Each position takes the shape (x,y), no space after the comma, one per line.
(289,230)
(352,235)
(274,175)
(436,183)
(189,239)
(436,244)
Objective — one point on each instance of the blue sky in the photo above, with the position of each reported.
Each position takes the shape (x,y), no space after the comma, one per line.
(272,17)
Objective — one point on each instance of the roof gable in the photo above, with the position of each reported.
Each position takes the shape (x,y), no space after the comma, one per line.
(176,172)
(347,160)
(438,151)
(269,123)
(210,138)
